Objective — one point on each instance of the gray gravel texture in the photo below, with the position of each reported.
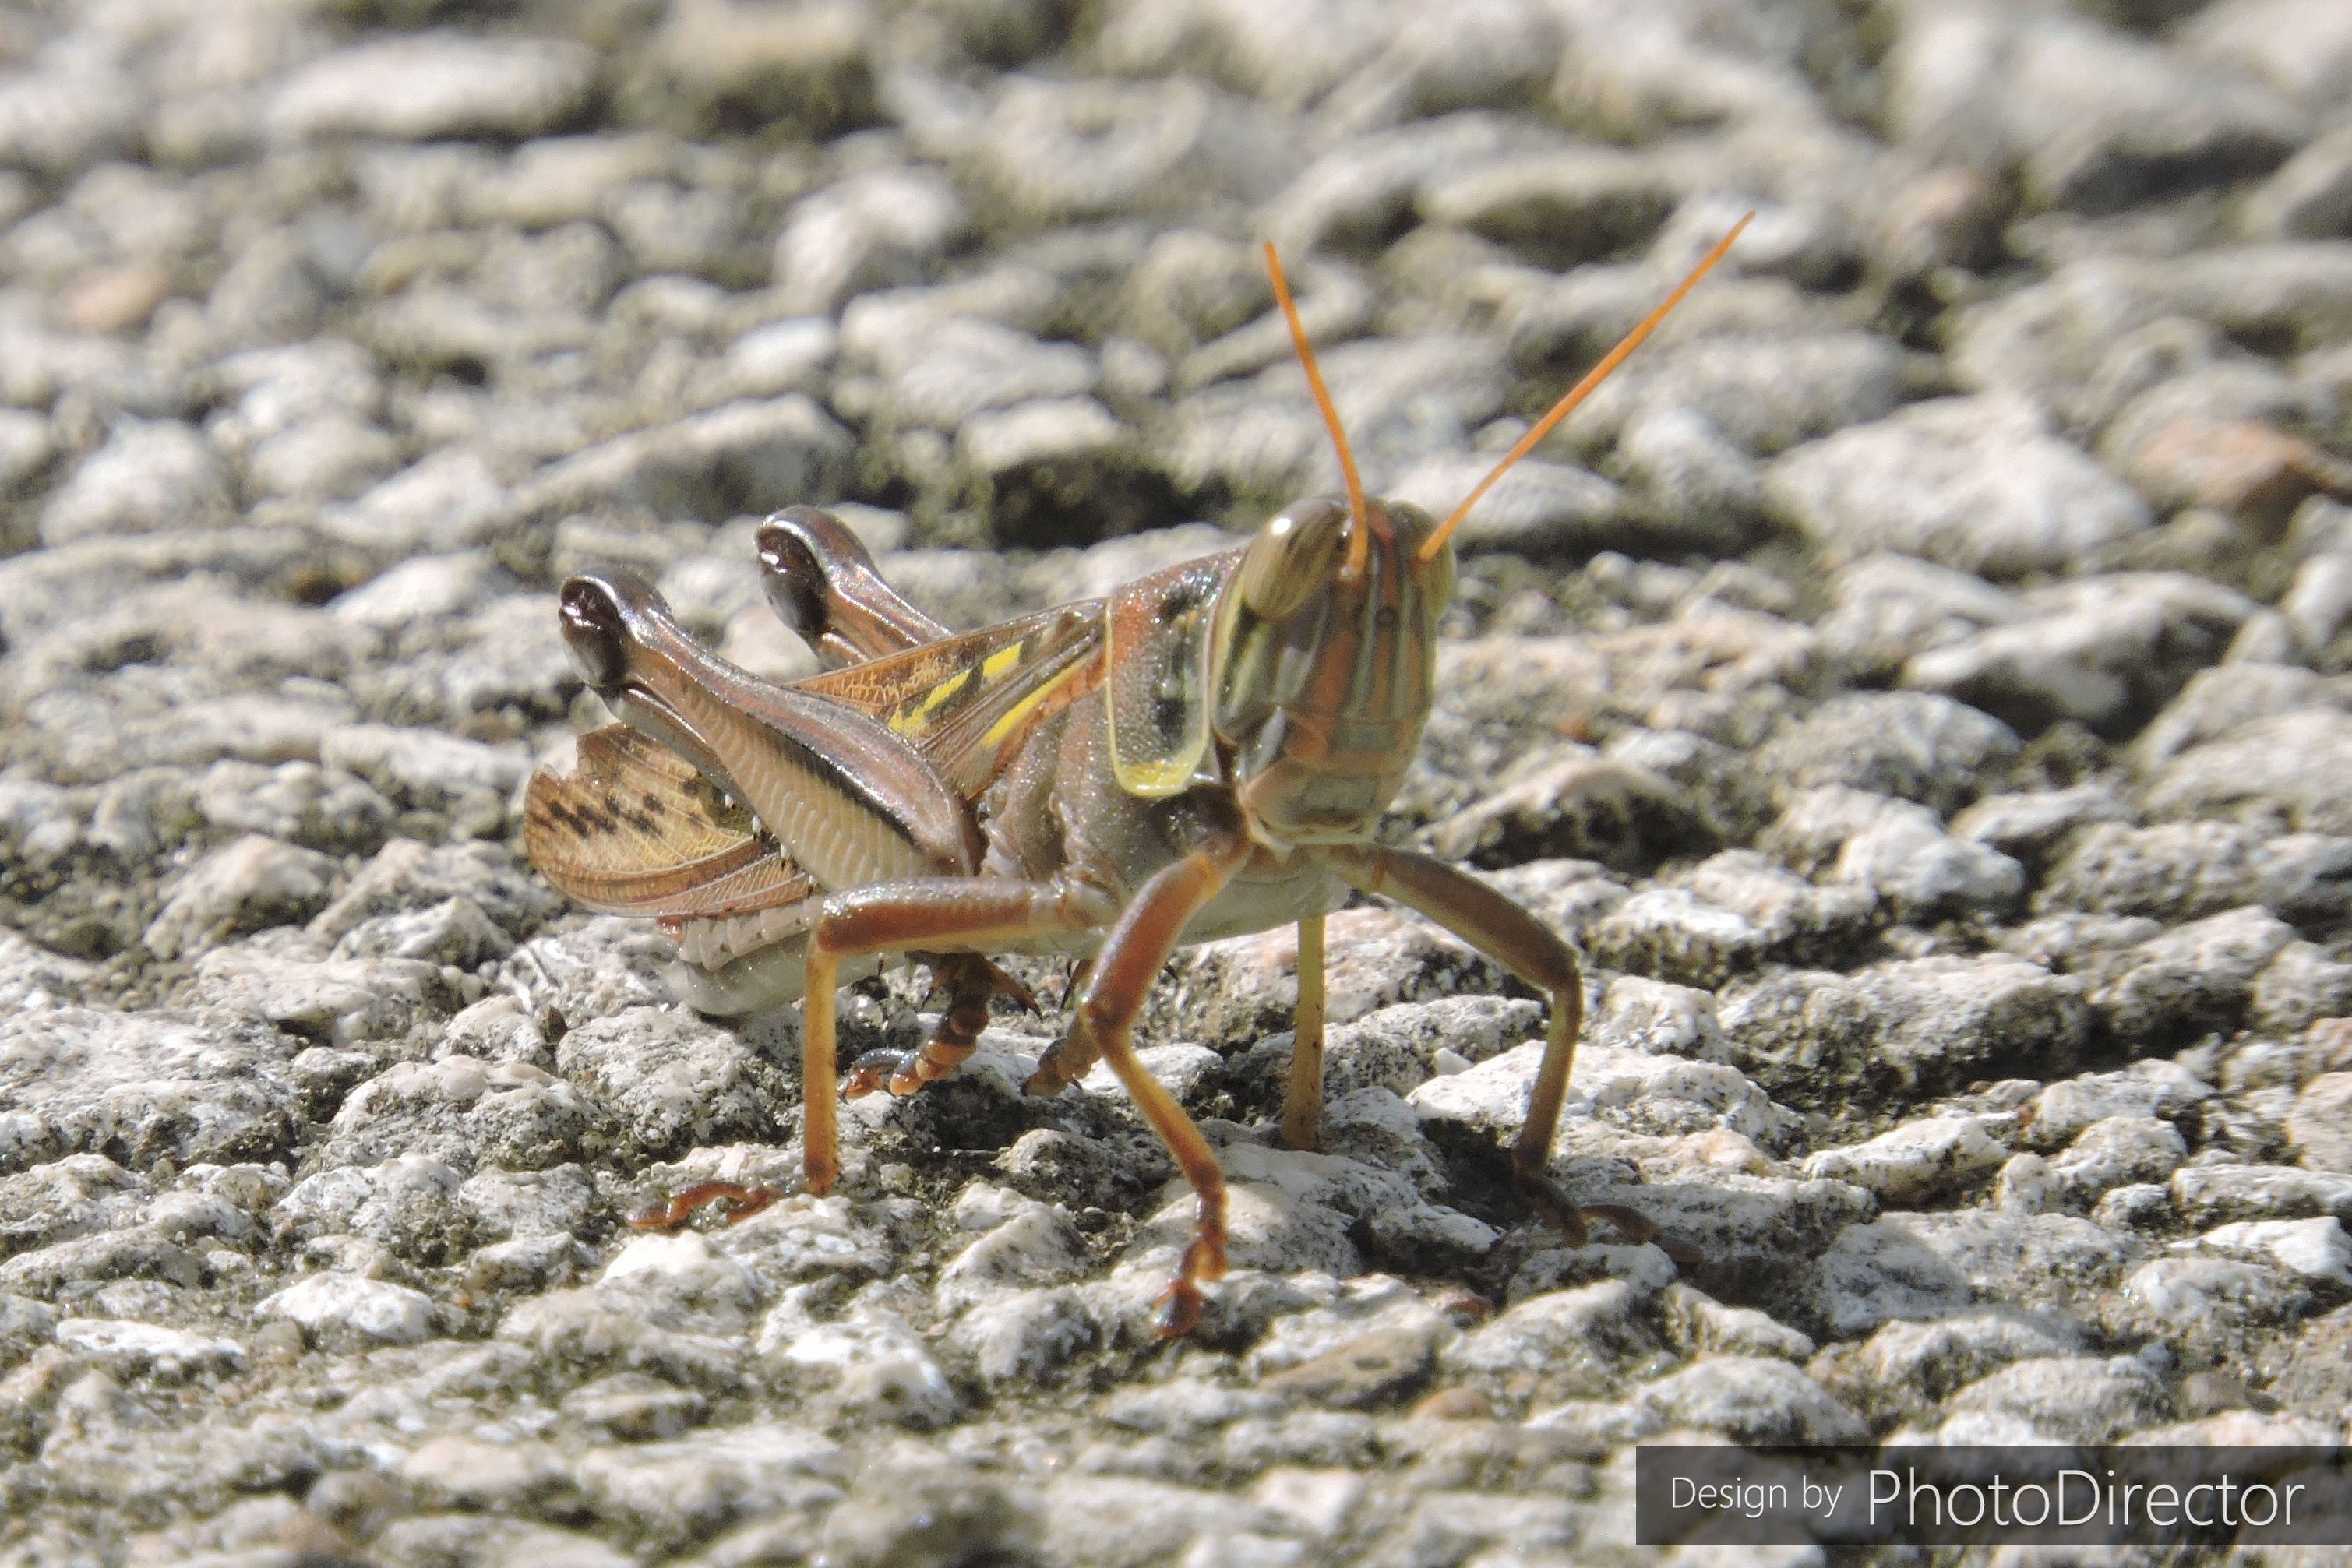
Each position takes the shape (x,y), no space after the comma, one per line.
(1921,683)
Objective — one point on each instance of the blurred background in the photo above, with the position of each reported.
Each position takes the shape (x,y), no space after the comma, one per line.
(417,277)
(414,308)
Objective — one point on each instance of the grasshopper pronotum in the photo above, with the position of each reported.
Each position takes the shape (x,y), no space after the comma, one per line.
(1203,752)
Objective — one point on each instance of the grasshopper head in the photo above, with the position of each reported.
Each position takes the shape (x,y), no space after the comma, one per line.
(1326,637)
(1326,642)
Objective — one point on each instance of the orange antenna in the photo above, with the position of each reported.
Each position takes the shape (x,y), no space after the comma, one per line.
(1358,529)
(1577,395)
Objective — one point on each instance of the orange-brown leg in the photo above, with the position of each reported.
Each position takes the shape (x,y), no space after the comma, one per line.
(674,1212)
(1302,1101)
(945,914)
(1123,973)
(1534,951)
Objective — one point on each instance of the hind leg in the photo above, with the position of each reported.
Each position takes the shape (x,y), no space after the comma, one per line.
(1519,942)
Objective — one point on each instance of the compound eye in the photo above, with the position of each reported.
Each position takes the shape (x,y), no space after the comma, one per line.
(593,632)
(793,580)
(1412,525)
(1294,558)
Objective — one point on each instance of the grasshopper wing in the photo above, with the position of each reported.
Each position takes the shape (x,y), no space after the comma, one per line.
(635,829)
(966,702)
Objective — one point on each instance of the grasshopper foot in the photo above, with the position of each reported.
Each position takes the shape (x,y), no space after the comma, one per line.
(871,1072)
(1065,1062)
(1180,1310)
(1204,1260)
(969,981)
(743,1202)
(902,1071)
(1569,1218)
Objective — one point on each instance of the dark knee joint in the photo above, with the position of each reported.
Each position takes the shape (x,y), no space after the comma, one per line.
(1559,975)
(1100,1015)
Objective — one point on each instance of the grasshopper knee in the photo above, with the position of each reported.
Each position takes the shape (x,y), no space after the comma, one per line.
(1552,966)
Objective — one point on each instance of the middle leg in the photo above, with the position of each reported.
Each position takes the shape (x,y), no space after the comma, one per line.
(1302,1100)
(1103,1027)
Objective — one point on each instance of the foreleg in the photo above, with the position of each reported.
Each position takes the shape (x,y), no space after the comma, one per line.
(1102,1028)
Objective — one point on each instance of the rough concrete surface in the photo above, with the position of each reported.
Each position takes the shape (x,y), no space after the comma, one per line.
(1921,683)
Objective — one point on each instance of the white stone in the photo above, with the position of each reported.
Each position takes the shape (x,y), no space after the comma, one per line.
(885,1371)
(1977,483)
(1016,1336)
(2114,1151)
(2026,1185)
(1657,1016)
(1754,1399)
(420,591)
(683,1265)
(1543,1330)
(2151,1088)
(2315,1248)
(1318,1501)
(422,763)
(252,882)
(1181,1068)
(1734,1330)
(1916,1160)
(783,356)
(375,1308)
(1034,1246)
(1279,1226)
(1906,858)
(1493,1095)
(173,1353)
(431,85)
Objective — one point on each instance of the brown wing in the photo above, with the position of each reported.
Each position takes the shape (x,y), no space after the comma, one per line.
(634,829)
(966,702)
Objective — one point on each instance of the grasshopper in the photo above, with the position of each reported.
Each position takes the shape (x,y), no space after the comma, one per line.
(1203,753)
